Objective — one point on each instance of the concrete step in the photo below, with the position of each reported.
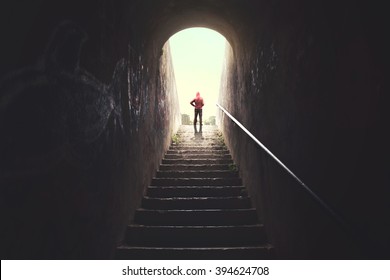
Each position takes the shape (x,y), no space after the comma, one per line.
(223,253)
(195,236)
(197,147)
(198,156)
(197,174)
(181,167)
(203,217)
(196,207)
(196,191)
(196,182)
(190,134)
(191,131)
(203,142)
(199,151)
(197,161)
(237,202)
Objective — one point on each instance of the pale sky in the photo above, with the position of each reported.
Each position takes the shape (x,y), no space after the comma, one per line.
(197,57)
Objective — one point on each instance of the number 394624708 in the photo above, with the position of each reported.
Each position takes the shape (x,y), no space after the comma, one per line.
(242,270)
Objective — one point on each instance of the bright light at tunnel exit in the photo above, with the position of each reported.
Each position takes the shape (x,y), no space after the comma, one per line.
(197,57)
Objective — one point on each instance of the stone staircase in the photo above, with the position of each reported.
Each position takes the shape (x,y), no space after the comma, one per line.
(196,207)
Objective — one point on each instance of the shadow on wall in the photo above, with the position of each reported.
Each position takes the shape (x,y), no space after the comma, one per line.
(78,152)
(309,84)
(62,155)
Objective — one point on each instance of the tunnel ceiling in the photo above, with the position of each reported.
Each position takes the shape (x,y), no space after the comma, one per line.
(165,18)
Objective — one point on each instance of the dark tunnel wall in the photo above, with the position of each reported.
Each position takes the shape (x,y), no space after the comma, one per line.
(86,125)
(86,114)
(310,85)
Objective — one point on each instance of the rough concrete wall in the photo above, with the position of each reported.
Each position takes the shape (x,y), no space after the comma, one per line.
(85,116)
(154,115)
(309,84)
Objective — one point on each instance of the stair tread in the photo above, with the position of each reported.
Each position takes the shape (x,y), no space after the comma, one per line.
(196,207)
(196,174)
(198,150)
(197,156)
(197,161)
(201,253)
(197,171)
(198,198)
(196,216)
(267,246)
(195,226)
(196,181)
(194,165)
(195,191)
(200,202)
(196,210)
(197,187)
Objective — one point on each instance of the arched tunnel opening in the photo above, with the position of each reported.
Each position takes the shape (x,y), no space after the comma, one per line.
(197,58)
(88,108)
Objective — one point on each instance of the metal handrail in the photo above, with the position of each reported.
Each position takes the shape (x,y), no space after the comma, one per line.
(331,212)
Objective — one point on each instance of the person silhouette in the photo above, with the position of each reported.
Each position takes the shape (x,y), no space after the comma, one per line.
(198,103)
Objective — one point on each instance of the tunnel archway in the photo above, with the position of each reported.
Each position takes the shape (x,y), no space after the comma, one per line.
(198,56)
(214,18)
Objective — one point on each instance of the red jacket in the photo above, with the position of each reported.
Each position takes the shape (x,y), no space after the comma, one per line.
(197,102)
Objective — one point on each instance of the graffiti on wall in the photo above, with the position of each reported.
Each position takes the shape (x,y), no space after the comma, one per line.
(54,109)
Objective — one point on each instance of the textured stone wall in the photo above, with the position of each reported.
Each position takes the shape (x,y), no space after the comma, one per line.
(309,84)
(86,114)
